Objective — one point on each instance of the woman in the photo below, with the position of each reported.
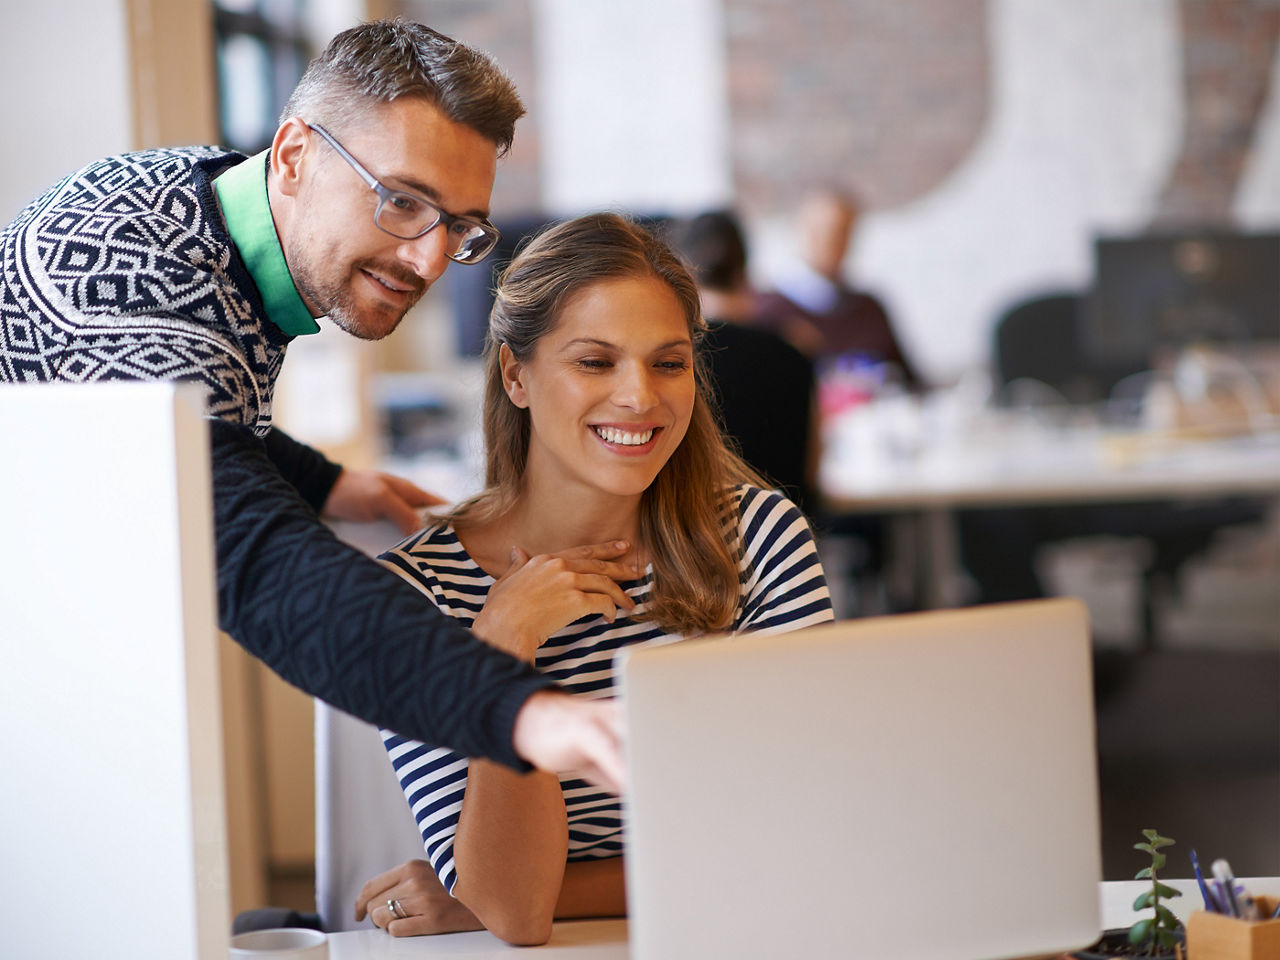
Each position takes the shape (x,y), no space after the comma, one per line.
(598,432)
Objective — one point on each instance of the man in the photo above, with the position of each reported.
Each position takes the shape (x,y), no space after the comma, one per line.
(197,264)
(816,309)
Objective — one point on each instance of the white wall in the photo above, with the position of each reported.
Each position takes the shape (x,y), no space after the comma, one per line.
(1258,199)
(64,73)
(632,102)
(1084,128)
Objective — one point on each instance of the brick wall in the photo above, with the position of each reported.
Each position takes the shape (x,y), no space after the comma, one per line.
(882,98)
(1227,54)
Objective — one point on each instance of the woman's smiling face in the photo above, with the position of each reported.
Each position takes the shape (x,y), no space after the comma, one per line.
(610,388)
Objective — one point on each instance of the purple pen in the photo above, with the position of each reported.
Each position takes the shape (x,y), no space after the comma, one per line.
(1226,881)
(1219,899)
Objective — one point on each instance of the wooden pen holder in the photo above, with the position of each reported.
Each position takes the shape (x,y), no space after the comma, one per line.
(1211,936)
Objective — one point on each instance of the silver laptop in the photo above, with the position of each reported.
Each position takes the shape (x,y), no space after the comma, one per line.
(918,787)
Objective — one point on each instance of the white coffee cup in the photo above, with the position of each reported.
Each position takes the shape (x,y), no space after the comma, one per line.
(286,943)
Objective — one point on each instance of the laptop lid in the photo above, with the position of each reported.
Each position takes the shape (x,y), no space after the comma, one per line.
(922,787)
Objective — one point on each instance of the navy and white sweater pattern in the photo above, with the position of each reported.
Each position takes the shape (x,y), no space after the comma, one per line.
(125,271)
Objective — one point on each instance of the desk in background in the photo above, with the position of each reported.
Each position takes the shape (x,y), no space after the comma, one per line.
(921,467)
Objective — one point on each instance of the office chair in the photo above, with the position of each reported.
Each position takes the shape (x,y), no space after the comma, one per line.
(1038,339)
(363,824)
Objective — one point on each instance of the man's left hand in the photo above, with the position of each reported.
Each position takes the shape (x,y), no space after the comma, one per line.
(368,495)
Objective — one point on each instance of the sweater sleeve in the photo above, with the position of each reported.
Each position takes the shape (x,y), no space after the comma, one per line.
(341,627)
(308,471)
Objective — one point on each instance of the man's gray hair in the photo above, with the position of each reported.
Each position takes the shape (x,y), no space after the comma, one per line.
(387,59)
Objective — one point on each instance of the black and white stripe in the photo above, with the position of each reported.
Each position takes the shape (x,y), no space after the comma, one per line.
(783,588)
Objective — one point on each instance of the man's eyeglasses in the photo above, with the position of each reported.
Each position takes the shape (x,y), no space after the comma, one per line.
(408,217)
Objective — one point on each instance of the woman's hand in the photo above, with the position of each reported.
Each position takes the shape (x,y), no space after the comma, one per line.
(539,595)
(421,895)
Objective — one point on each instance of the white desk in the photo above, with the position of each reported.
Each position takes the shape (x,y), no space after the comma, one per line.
(1011,461)
(571,940)
(1005,460)
(607,939)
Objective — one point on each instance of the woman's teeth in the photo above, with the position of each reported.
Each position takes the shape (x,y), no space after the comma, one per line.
(622,437)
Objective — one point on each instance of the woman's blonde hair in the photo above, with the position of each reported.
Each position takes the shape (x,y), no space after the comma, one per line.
(683,520)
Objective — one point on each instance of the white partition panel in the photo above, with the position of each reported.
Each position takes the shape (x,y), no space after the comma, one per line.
(112,811)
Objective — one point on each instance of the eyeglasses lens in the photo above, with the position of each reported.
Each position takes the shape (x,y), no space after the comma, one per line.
(408,217)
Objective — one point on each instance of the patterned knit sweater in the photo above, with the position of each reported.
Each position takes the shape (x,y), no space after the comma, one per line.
(125,271)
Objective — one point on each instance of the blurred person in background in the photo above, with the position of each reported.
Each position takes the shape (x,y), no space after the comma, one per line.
(817,309)
(765,386)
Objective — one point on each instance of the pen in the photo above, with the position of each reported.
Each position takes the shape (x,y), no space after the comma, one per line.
(1222,872)
(1219,899)
(1204,891)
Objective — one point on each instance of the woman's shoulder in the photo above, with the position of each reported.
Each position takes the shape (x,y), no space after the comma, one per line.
(435,547)
(435,561)
(748,503)
(769,525)
(436,536)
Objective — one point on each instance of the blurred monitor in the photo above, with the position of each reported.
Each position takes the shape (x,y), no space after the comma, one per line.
(1165,291)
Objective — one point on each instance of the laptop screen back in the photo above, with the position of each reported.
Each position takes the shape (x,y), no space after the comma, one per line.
(921,787)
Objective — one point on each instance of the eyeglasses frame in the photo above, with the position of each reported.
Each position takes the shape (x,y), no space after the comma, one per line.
(385,193)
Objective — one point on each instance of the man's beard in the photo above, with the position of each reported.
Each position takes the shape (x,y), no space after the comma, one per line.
(336,300)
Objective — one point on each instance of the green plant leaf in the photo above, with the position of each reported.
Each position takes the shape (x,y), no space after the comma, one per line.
(1144,900)
(1166,919)
(1159,842)
(1143,874)
(1166,939)
(1140,932)
(1158,861)
(1166,892)
(1151,835)
(1146,847)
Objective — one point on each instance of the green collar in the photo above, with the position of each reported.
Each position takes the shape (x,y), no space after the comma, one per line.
(242,192)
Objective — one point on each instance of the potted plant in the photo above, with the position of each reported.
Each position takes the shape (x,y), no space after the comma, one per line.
(1157,936)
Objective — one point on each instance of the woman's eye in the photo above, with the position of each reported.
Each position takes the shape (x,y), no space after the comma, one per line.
(593,363)
(404,203)
(674,366)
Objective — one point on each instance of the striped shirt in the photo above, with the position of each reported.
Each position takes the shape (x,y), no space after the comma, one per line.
(783,588)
